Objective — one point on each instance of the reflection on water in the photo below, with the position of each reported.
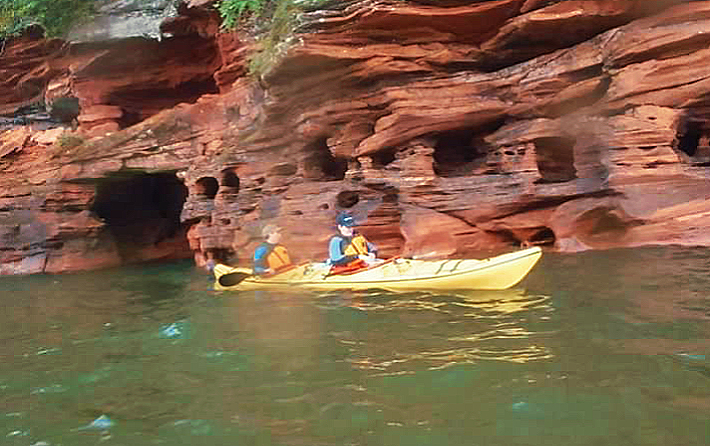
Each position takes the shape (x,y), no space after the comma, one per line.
(447,329)
(596,348)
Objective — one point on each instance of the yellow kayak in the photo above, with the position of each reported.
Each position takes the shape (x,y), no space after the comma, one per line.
(495,273)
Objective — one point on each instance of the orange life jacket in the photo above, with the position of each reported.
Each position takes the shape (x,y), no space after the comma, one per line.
(357,246)
(278,258)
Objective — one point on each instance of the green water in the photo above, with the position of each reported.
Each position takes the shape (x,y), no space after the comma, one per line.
(605,348)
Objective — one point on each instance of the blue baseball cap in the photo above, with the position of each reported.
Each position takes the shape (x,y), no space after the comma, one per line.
(345,220)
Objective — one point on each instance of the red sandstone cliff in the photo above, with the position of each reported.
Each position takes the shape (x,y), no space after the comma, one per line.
(453,128)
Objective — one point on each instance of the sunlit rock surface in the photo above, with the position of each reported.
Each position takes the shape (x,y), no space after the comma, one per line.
(448,129)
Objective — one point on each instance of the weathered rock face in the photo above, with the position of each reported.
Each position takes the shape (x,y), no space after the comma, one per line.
(447,128)
(118,19)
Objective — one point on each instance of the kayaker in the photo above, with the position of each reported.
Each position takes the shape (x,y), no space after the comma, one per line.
(269,256)
(349,250)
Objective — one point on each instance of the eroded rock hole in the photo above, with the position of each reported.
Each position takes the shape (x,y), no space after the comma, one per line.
(543,237)
(602,221)
(382,158)
(391,198)
(689,133)
(140,104)
(207,186)
(320,164)
(456,152)
(506,236)
(141,211)
(555,159)
(347,199)
(230,180)
(221,255)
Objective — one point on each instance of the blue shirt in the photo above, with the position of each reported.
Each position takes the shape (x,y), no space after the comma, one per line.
(338,245)
(260,254)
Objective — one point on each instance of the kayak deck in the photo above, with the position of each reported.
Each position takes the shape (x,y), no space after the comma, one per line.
(495,273)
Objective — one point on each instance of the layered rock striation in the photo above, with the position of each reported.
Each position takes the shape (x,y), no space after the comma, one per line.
(448,129)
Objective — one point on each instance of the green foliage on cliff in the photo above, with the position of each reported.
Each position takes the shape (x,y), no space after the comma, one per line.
(68,140)
(232,11)
(275,40)
(235,12)
(55,16)
(271,21)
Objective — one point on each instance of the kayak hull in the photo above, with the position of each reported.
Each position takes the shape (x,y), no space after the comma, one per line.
(495,273)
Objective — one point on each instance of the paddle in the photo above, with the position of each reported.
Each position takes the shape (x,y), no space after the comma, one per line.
(237,277)
(232,279)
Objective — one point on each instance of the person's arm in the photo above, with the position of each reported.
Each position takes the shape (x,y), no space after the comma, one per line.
(260,254)
(371,248)
(335,251)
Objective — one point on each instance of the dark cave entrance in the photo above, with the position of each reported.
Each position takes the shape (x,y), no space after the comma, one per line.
(347,199)
(693,140)
(207,187)
(319,164)
(383,158)
(555,159)
(543,237)
(230,181)
(142,212)
(457,152)
(140,104)
(688,137)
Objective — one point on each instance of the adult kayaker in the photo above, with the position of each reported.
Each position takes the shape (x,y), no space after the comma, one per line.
(349,250)
(269,256)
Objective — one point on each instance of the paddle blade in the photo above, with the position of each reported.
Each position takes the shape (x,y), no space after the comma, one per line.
(232,279)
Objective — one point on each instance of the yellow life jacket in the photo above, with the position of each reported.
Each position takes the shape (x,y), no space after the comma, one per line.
(278,258)
(357,246)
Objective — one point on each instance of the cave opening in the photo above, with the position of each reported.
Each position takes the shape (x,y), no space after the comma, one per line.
(545,237)
(347,199)
(207,186)
(555,159)
(142,212)
(320,164)
(140,104)
(230,180)
(688,138)
(457,152)
(383,158)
